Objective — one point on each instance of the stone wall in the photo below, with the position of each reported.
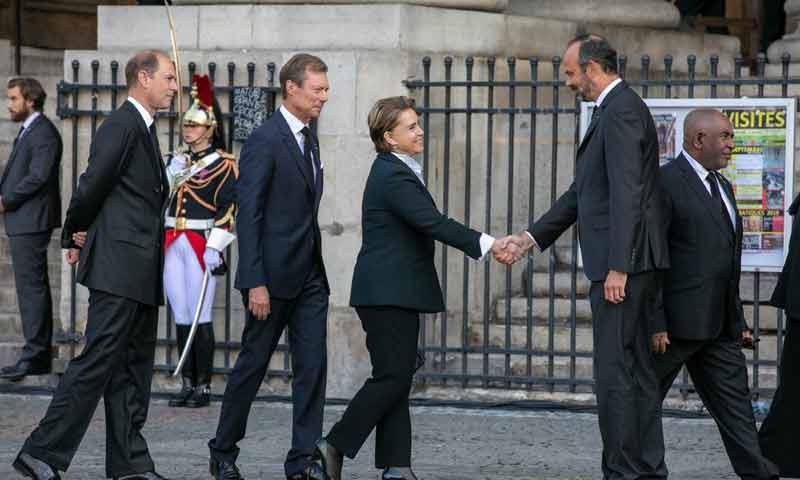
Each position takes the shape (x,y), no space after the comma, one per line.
(370,49)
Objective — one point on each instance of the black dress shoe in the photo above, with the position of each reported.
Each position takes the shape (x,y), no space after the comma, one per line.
(224,470)
(142,476)
(201,397)
(22,369)
(179,399)
(331,459)
(311,472)
(34,468)
(398,473)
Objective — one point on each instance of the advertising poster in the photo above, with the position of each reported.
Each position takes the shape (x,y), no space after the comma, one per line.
(760,171)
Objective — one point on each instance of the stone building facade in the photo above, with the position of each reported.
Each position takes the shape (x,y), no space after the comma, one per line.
(371,48)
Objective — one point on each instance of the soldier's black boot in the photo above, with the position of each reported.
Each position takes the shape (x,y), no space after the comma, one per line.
(204,362)
(187,371)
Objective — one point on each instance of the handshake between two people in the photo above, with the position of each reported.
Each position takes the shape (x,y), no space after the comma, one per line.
(508,250)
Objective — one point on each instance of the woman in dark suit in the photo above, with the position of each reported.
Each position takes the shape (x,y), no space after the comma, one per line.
(778,433)
(394,281)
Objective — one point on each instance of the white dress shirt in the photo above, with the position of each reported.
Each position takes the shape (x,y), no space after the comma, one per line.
(486,241)
(296,126)
(606,91)
(28,121)
(148,119)
(703,174)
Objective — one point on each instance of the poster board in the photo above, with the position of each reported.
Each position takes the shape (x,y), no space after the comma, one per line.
(761,169)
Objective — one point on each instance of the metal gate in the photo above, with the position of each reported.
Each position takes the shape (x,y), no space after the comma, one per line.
(522,330)
(71,95)
(527,337)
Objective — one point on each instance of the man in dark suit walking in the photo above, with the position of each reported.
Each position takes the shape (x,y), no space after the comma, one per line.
(119,202)
(779,430)
(614,198)
(281,273)
(30,202)
(703,325)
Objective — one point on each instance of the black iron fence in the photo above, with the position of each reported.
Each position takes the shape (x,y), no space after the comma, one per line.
(496,136)
(501,108)
(104,99)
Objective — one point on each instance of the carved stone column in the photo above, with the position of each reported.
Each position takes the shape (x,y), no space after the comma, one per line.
(790,43)
(630,13)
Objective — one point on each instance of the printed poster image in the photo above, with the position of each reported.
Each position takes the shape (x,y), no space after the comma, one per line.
(760,171)
(757,172)
(666,128)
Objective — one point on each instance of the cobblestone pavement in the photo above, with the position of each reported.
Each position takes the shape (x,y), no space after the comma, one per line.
(449,443)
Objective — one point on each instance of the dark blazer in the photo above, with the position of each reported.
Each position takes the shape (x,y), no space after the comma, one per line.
(614,196)
(120,200)
(787,292)
(701,287)
(399,222)
(278,231)
(30,182)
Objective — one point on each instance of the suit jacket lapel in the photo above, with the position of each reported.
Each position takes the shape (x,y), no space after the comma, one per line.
(590,130)
(36,122)
(291,145)
(703,197)
(737,219)
(156,163)
(593,124)
(390,157)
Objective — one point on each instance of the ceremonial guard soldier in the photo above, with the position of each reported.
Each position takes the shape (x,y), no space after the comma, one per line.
(198,222)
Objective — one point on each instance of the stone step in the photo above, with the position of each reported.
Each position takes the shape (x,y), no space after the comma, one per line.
(541,310)
(10,325)
(540,338)
(540,366)
(562,282)
(518,367)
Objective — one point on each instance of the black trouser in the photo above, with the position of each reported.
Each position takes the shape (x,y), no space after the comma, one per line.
(306,318)
(778,434)
(29,257)
(628,396)
(719,374)
(382,403)
(117,364)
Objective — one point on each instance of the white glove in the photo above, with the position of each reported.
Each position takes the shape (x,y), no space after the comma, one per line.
(212,258)
(178,162)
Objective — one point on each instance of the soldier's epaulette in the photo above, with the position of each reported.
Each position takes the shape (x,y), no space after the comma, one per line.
(227,156)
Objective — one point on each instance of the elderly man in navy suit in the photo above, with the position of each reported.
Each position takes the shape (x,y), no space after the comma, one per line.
(281,274)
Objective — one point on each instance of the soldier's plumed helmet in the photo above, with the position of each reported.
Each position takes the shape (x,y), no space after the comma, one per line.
(202,111)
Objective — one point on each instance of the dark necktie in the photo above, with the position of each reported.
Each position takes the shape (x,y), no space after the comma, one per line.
(157,150)
(311,158)
(717,198)
(595,113)
(19,135)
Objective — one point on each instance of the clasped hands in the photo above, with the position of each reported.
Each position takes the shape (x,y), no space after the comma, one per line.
(508,250)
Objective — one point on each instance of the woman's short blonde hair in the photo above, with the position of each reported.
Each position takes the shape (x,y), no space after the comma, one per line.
(383,118)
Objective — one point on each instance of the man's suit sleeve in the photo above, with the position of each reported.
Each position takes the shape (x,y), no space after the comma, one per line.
(407,200)
(657,321)
(562,215)
(43,159)
(624,165)
(107,158)
(257,165)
